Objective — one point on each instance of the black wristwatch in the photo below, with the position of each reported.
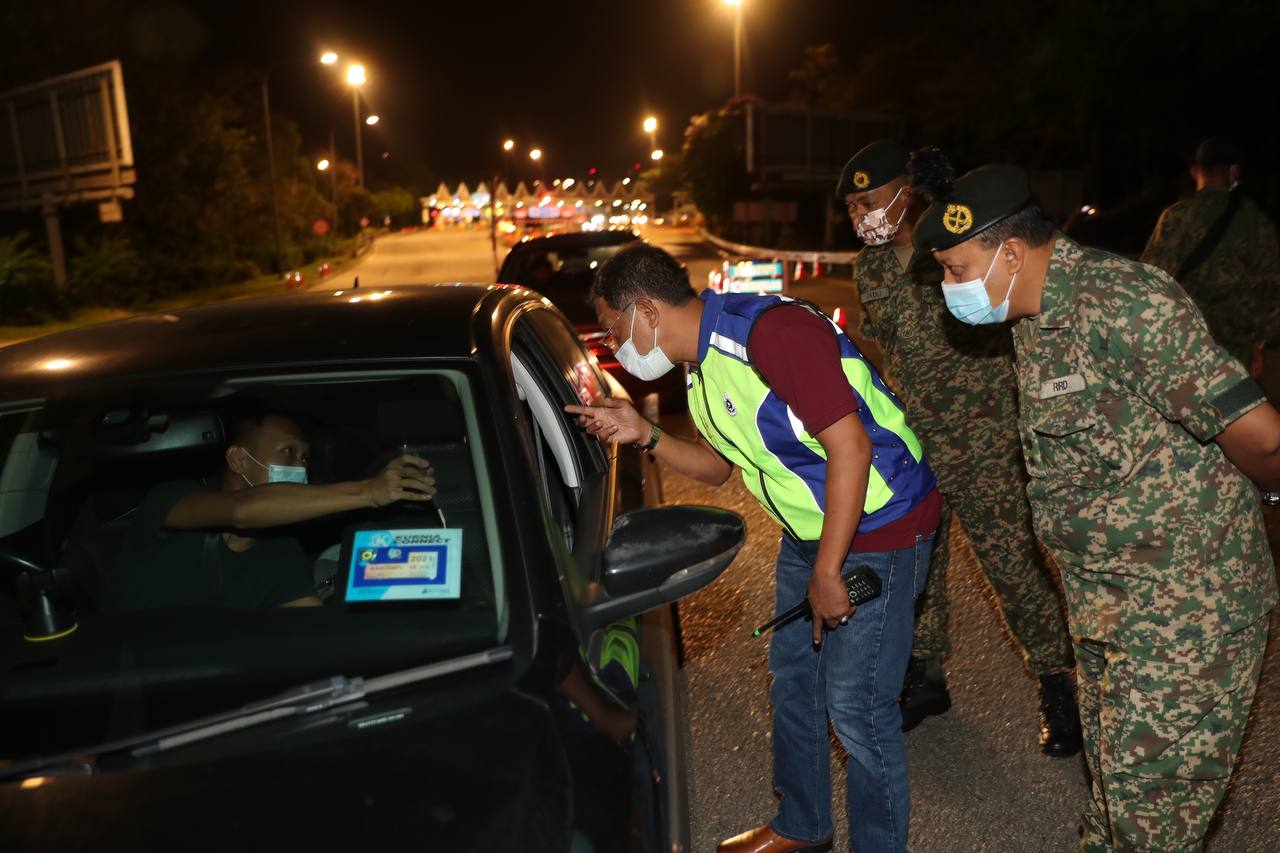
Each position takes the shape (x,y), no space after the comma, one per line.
(1271,498)
(655,433)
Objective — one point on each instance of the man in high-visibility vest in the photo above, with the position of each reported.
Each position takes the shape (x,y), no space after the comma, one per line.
(776,389)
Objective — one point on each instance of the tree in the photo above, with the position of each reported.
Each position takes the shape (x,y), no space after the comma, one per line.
(714,163)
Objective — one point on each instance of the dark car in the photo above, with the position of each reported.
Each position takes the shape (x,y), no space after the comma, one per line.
(560,267)
(399,714)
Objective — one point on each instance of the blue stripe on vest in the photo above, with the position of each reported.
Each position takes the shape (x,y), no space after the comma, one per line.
(780,440)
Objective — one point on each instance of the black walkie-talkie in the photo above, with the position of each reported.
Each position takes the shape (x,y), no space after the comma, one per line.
(863,585)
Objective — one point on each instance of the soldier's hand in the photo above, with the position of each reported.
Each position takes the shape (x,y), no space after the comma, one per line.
(613,421)
(829,601)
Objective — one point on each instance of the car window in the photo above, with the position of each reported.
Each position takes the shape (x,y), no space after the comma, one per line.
(85,485)
(563,275)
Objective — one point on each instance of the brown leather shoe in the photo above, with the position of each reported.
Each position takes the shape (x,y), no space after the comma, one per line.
(763,839)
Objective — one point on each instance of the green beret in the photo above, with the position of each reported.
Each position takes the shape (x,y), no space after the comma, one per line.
(873,166)
(977,201)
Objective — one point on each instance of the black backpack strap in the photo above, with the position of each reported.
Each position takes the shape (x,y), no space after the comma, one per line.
(1211,239)
(211,563)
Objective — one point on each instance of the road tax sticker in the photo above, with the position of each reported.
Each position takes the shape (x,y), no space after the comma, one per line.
(405,565)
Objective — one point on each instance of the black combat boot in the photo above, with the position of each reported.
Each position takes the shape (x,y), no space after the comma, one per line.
(924,692)
(1059,717)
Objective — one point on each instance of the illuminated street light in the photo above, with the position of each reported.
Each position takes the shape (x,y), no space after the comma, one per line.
(650,124)
(566,183)
(508,145)
(372,120)
(535,154)
(356,78)
(328,57)
(656,154)
(322,165)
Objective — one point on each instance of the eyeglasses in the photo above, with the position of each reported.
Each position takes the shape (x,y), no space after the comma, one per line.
(607,338)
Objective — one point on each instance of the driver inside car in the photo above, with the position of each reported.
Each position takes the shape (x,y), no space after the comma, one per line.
(193,544)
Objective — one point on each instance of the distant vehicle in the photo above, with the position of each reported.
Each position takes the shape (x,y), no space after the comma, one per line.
(561,267)
(747,275)
(418,707)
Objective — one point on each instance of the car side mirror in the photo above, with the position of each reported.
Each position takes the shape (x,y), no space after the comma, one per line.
(661,554)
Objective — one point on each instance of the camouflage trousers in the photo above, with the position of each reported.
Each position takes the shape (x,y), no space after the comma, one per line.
(990,500)
(1162,727)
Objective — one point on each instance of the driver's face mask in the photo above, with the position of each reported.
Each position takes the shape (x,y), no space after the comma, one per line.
(279,473)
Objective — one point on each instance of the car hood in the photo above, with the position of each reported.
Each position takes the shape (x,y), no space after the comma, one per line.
(491,776)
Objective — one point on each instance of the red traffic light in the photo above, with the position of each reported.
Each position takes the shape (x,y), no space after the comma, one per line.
(591,171)
(636,167)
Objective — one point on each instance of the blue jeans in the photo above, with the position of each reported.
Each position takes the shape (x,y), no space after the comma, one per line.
(855,677)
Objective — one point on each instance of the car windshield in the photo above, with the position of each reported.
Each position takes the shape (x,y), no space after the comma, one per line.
(563,275)
(114,622)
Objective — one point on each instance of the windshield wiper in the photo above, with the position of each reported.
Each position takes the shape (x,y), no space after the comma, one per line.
(295,702)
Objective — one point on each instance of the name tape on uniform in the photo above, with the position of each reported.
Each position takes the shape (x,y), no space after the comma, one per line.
(873,295)
(1062,385)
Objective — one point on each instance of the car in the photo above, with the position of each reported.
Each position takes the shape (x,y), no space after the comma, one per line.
(419,706)
(561,267)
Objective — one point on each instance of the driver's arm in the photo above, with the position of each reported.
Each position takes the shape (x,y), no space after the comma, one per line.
(276,504)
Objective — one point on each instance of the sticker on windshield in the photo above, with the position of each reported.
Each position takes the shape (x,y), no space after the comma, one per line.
(405,565)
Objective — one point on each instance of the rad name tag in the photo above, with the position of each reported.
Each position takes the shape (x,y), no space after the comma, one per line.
(1062,385)
(405,565)
(873,295)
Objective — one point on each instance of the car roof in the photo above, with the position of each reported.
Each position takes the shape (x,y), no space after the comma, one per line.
(334,326)
(575,239)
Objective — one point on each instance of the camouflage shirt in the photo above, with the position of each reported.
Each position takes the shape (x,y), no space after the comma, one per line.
(1238,285)
(1122,390)
(947,373)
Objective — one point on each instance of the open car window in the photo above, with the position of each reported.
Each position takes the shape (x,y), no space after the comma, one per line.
(85,480)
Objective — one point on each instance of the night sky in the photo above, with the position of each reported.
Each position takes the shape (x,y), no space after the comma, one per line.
(452,79)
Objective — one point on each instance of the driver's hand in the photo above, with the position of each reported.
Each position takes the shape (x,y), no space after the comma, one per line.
(406,478)
(614,421)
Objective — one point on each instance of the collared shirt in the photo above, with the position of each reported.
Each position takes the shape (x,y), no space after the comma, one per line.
(1121,391)
(948,374)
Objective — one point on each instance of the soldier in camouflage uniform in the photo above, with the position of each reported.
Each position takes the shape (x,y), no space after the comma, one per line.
(958,386)
(1141,436)
(1237,286)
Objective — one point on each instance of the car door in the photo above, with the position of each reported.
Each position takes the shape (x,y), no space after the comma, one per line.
(586,486)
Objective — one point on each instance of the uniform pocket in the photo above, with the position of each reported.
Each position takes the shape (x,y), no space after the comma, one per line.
(1074,440)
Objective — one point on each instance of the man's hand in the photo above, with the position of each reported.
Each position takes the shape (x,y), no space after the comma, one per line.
(406,478)
(829,601)
(614,421)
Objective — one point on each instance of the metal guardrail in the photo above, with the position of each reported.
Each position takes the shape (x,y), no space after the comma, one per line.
(762,253)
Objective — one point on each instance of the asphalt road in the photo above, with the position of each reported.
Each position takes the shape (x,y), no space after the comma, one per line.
(978,779)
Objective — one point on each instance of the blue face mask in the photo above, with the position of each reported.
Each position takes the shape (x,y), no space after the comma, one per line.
(280,473)
(969,303)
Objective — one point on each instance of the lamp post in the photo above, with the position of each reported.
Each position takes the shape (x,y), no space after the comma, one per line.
(508,147)
(356,78)
(737,46)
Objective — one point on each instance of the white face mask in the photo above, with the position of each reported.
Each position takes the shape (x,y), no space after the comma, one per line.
(969,303)
(279,473)
(874,229)
(649,366)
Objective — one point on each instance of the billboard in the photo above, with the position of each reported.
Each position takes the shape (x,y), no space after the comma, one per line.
(66,140)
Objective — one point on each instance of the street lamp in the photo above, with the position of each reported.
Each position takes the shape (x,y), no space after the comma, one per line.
(651,128)
(372,120)
(656,154)
(356,78)
(323,165)
(328,57)
(508,145)
(737,46)
(535,154)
